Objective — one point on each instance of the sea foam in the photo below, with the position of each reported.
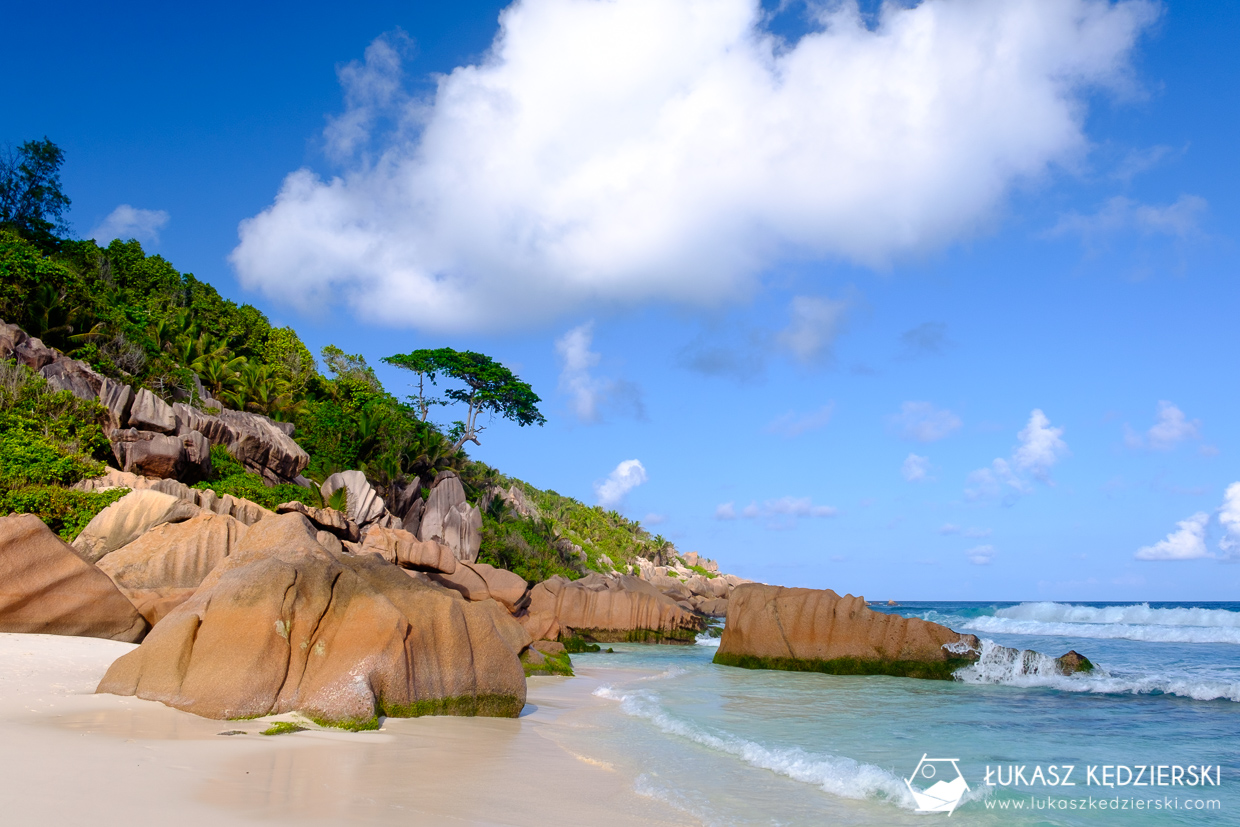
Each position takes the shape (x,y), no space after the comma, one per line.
(1001,665)
(837,775)
(1133,622)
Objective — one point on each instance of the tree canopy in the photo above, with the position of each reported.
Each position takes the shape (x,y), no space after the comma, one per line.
(489,386)
(31,200)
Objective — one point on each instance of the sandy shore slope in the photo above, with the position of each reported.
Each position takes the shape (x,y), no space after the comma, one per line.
(69,757)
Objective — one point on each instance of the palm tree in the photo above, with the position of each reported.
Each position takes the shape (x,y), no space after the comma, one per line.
(218,372)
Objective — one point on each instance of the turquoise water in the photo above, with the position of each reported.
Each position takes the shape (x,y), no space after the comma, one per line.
(734,746)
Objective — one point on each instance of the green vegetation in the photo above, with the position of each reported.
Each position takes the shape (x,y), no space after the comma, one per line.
(553,664)
(489,387)
(351,724)
(228,476)
(491,706)
(65,512)
(675,636)
(31,201)
(576,645)
(700,570)
(48,441)
(137,319)
(942,670)
(283,728)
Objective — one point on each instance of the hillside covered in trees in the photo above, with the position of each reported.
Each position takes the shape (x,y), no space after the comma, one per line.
(136,318)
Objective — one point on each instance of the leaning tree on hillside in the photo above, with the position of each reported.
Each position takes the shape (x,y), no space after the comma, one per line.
(489,386)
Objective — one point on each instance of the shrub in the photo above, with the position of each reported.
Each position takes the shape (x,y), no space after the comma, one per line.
(228,476)
(65,512)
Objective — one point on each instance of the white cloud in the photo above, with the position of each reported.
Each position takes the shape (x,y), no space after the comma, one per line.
(127,222)
(1229,518)
(972,533)
(685,152)
(1170,428)
(778,514)
(915,468)
(626,476)
(992,482)
(1180,220)
(981,555)
(814,325)
(576,360)
(372,87)
(588,394)
(1041,446)
(793,424)
(923,422)
(1187,542)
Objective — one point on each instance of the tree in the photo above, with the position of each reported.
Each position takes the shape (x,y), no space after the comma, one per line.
(489,386)
(30,197)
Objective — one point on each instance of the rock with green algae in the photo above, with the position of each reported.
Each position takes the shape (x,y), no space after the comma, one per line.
(604,609)
(816,630)
(283,624)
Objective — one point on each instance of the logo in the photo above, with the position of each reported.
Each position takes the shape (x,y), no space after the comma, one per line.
(946,785)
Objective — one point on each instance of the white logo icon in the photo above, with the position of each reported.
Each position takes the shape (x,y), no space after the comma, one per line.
(947,785)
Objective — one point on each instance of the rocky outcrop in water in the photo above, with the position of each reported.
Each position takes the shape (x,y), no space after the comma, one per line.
(608,609)
(816,630)
(281,624)
(46,588)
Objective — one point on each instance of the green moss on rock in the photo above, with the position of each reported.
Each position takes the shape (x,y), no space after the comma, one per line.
(283,728)
(927,670)
(490,706)
(553,664)
(671,636)
(576,645)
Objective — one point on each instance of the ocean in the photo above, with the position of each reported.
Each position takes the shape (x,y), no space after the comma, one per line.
(738,747)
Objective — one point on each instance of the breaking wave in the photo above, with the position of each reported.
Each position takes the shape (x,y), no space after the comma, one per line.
(1133,622)
(1011,667)
(839,776)
(706,640)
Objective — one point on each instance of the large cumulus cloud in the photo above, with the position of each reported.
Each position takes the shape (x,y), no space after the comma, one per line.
(673,150)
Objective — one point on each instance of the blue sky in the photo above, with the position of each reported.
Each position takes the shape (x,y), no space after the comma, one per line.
(816,274)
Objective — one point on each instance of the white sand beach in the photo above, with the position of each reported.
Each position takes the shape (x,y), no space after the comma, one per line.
(71,757)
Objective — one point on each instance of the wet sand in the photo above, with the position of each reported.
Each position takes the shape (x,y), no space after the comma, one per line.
(68,756)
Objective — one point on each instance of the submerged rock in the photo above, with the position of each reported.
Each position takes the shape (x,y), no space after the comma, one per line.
(46,588)
(283,625)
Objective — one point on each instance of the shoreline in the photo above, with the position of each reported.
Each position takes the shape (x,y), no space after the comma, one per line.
(127,759)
